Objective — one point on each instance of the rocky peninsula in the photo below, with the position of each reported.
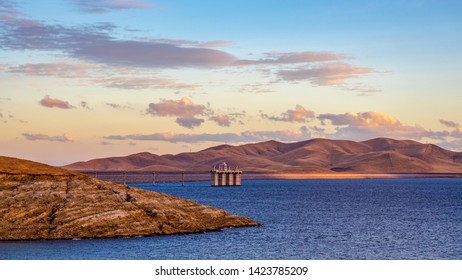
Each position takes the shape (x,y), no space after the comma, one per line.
(38,201)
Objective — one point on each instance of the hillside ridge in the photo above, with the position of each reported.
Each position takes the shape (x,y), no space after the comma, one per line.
(378,155)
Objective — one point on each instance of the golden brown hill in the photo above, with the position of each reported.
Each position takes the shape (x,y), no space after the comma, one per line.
(380,155)
(43,202)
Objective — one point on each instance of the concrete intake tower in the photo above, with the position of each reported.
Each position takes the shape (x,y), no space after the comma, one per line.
(224,175)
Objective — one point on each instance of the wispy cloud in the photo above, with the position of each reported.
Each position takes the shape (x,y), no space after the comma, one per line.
(136,83)
(191,43)
(293,58)
(9,13)
(49,102)
(180,137)
(331,74)
(300,114)
(362,90)
(247,136)
(105,6)
(215,44)
(287,135)
(117,106)
(43,137)
(256,88)
(94,74)
(84,105)
(450,124)
(62,70)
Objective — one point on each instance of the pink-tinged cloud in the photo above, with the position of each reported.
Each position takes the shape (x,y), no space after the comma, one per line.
(105,6)
(300,114)
(189,122)
(43,137)
(450,124)
(184,108)
(331,74)
(367,125)
(364,119)
(294,58)
(49,102)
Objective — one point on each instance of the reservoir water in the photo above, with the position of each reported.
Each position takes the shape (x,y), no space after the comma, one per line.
(302,219)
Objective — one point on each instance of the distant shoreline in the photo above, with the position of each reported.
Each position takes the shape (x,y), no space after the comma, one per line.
(145,177)
(292,176)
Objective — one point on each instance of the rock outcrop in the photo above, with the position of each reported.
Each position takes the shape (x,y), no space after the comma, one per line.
(43,202)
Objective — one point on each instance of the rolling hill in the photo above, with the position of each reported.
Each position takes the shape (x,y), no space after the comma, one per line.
(380,155)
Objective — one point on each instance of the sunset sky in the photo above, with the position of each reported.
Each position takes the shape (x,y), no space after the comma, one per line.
(83,79)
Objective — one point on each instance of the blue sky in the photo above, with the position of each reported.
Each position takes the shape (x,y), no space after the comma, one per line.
(84,79)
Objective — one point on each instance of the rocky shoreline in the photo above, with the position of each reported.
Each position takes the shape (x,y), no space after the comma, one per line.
(43,202)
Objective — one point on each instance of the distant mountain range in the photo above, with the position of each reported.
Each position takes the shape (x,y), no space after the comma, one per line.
(380,155)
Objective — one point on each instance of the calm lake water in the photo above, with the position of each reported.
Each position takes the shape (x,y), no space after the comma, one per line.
(302,219)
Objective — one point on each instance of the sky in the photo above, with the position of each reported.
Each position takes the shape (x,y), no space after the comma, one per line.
(84,79)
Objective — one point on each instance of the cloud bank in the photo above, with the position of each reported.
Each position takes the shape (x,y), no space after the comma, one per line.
(357,126)
(99,43)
